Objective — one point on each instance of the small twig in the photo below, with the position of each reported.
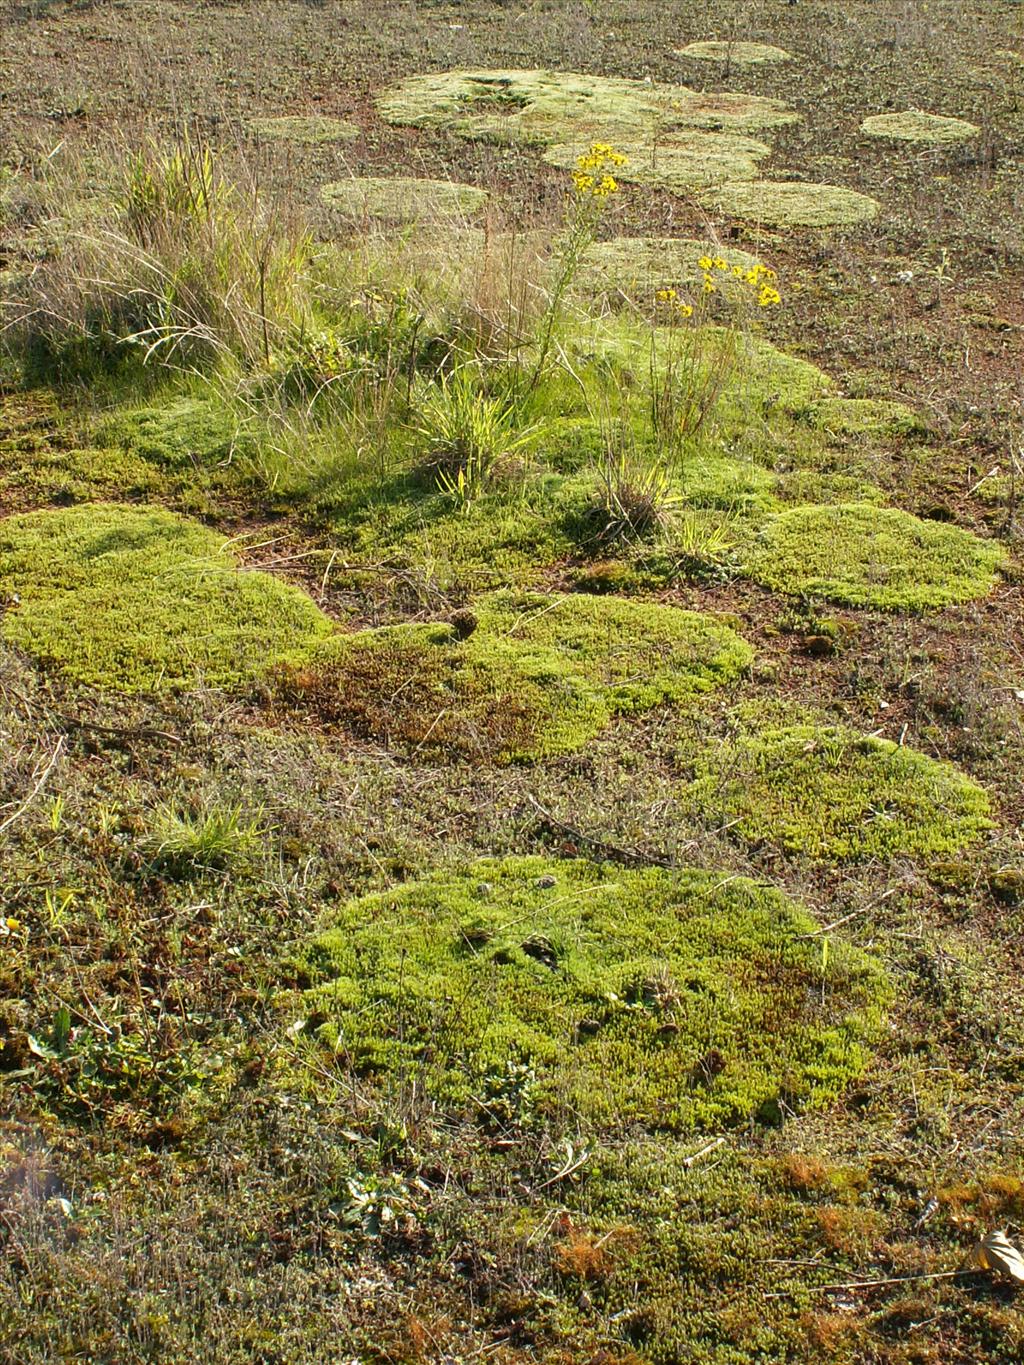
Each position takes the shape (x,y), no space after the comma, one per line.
(58,749)
(869,1284)
(704,1151)
(131,732)
(612,850)
(862,909)
(566,1170)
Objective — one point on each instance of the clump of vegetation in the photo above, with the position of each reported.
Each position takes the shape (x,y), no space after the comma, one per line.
(551,106)
(529,988)
(468,438)
(312,129)
(868,556)
(181,263)
(187,432)
(823,791)
(403,199)
(138,599)
(871,417)
(686,161)
(912,125)
(210,839)
(791,203)
(635,268)
(734,52)
(640,654)
(532,677)
(425,690)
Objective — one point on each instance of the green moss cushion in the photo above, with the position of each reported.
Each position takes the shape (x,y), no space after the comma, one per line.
(140,599)
(594,994)
(824,791)
(537,675)
(870,556)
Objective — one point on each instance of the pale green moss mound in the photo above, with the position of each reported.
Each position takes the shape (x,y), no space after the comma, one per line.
(137,599)
(911,125)
(829,793)
(680,161)
(636,267)
(403,199)
(871,417)
(178,435)
(638,654)
(869,556)
(791,203)
(528,677)
(312,129)
(548,107)
(735,54)
(751,371)
(533,987)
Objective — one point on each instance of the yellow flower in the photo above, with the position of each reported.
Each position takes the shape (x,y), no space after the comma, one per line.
(721,263)
(709,285)
(686,309)
(737,270)
(705,263)
(666,295)
(767,296)
(12,925)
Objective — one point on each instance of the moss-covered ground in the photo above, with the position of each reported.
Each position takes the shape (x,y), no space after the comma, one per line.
(594,996)
(510,758)
(138,599)
(402,199)
(912,125)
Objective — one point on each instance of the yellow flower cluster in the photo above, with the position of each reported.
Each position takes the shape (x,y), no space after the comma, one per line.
(758,277)
(591,178)
(673,301)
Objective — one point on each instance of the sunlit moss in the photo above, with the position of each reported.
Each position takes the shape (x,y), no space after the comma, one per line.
(912,125)
(823,791)
(870,556)
(536,987)
(138,599)
(792,203)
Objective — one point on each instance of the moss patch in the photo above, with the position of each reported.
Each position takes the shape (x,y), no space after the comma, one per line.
(869,556)
(313,129)
(423,689)
(734,54)
(877,417)
(137,599)
(638,654)
(679,161)
(557,106)
(791,203)
(635,267)
(403,199)
(828,793)
(911,125)
(529,676)
(177,435)
(678,1000)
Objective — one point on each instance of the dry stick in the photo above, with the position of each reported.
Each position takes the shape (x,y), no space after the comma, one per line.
(704,1151)
(871,905)
(130,732)
(565,1171)
(624,854)
(869,1284)
(36,789)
